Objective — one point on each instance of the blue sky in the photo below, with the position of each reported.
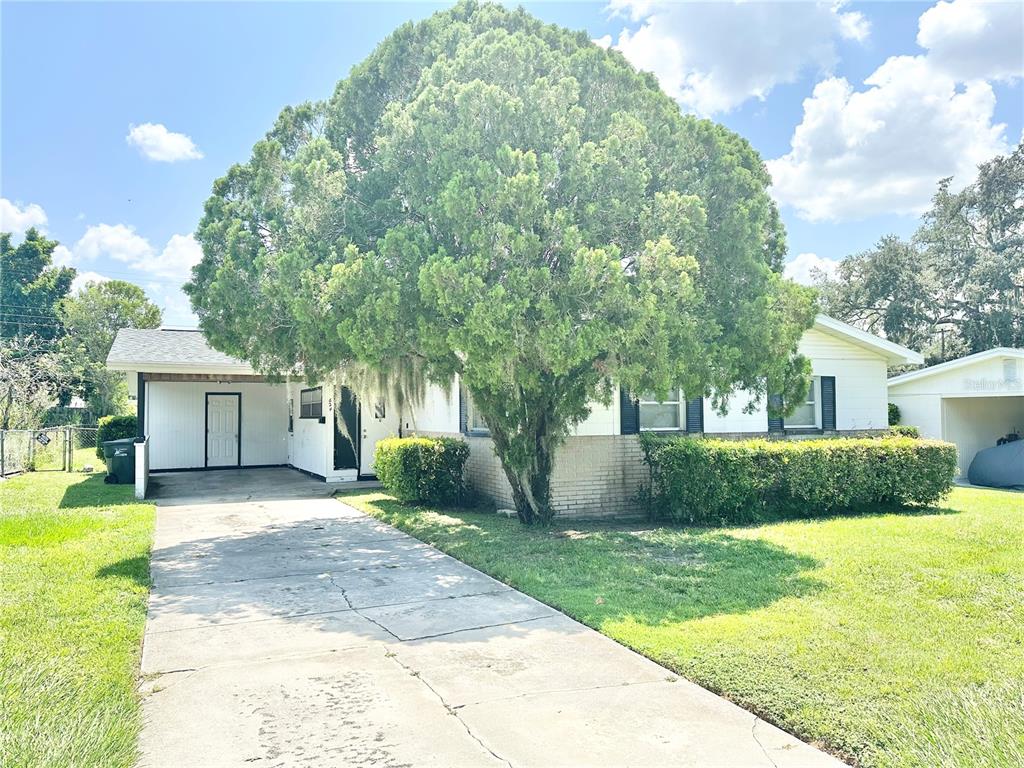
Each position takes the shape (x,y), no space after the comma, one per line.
(858,109)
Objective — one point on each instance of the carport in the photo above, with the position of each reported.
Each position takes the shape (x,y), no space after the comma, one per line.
(240,485)
(972,402)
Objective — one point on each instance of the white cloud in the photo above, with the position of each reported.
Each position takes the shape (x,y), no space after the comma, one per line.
(712,57)
(176,260)
(969,40)
(117,241)
(882,149)
(84,278)
(122,243)
(853,25)
(17,219)
(804,266)
(62,256)
(154,141)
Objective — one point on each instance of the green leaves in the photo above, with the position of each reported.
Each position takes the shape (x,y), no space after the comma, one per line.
(507,202)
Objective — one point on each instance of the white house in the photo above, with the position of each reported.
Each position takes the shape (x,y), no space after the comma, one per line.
(200,409)
(972,401)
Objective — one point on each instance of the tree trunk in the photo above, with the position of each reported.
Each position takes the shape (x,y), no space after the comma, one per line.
(531,485)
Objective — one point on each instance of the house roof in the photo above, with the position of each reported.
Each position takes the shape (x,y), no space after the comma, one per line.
(895,354)
(186,349)
(960,362)
(169,349)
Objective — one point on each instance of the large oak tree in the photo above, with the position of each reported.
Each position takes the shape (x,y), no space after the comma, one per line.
(957,286)
(501,199)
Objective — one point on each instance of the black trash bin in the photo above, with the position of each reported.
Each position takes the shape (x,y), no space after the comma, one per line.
(120,458)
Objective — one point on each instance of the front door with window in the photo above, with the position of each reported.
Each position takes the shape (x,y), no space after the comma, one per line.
(223,429)
(377,421)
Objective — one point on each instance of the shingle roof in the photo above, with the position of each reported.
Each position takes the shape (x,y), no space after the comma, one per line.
(134,349)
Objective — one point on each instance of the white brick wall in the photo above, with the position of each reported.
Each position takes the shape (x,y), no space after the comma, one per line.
(594,475)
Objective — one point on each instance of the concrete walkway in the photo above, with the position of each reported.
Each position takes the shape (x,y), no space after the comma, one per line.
(298,631)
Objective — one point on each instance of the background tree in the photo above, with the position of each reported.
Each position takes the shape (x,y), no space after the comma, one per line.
(958,286)
(92,318)
(501,199)
(30,287)
(31,374)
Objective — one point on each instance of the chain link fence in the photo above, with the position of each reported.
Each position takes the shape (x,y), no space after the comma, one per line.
(50,449)
(83,450)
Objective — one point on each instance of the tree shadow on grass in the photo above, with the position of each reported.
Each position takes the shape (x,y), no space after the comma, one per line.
(94,492)
(134,568)
(598,572)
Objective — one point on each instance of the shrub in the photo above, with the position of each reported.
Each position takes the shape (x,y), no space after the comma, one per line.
(894,414)
(705,481)
(114,428)
(427,469)
(904,430)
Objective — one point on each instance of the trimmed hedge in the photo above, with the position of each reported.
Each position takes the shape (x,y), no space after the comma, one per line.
(114,428)
(427,469)
(706,481)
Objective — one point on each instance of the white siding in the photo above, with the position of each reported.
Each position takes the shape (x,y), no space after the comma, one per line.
(310,440)
(603,419)
(735,420)
(176,423)
(985,377)
(921,411)
(861,392)
(439,412)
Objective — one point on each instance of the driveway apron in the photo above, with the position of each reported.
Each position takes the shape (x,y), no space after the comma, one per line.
(297,631)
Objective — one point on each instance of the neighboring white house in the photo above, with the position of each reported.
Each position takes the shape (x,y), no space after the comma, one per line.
(201,409)
(972,401)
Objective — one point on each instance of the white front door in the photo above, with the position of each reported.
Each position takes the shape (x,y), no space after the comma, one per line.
(376,422)
(222,412)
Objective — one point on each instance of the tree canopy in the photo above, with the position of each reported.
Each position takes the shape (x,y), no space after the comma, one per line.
(957,287)
(92,318)
(501,199)
(30,287)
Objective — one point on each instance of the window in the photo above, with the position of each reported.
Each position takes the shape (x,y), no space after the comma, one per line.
(311,403)
(660,414)
(378,410)
(475,420)
(805,415)
(291,414)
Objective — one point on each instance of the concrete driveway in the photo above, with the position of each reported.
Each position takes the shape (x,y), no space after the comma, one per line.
(286,628)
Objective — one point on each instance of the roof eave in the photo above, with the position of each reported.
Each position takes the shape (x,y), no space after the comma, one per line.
(952,365)
(149,366)
(894,354)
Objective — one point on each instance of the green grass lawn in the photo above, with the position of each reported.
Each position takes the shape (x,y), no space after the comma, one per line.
(74,575)
(891,639)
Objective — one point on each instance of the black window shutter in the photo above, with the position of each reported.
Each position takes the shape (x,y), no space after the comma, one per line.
(775,423)
(828,403)
(629,411)
(695,415)
(463,411)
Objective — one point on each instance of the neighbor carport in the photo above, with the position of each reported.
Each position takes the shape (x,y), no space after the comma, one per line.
(971,402)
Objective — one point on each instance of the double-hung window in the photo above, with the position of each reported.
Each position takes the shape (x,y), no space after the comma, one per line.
(311,403)
(661,415)
(807,415)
